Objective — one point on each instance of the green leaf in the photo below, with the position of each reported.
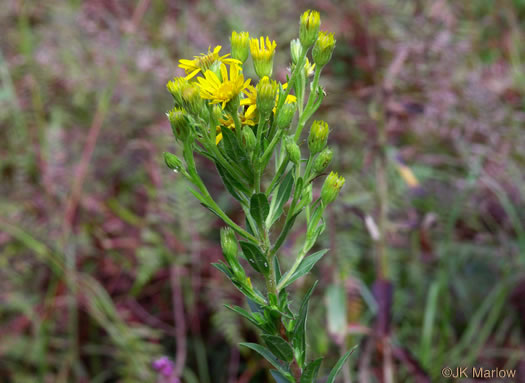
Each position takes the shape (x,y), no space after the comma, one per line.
(339,365)
(305,266)
(310,372)
(255,257)
(224,268)
(231,184)
(250,293)
(259,208)
(244,313)
(299,332)
(336,309)
(267,354)
(280,378)
(284,233)
(279,347)
(283,194)
(277,267)
(235,152)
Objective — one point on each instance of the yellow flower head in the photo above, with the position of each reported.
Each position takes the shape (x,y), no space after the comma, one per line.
(202,63)
(323,48)
(225,89)
(309,28)
(262,55)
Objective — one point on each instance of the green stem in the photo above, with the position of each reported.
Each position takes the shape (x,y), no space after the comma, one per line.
(197,181)
(295,72)
(311,99)
(237,123)
(277,176)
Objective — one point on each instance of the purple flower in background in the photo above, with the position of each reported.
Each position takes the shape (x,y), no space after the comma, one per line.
(164,366)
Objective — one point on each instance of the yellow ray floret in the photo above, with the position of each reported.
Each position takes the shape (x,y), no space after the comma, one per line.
(202,63)
(221,91)
(260,50)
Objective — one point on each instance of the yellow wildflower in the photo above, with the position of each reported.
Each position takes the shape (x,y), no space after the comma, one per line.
(262,55)
(202,63)
(222,90)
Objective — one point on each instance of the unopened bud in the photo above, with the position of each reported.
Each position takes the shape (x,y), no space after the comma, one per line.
(318,136)
(230,249)
(309,28)
(266,92)
(192,100)
(240,45)
(249,141)
(179,123)
(293,151)
(176,87)
(285,117)
(216,113)
(331,187)
(173,162)
(323,160)
(295,50)
(323,48)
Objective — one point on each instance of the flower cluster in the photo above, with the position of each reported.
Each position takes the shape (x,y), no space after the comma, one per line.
(243,125)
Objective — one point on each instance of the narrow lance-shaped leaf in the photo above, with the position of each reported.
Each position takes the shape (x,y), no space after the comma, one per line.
(259,208)
(269,356)
(279,347)
(299,333)
(232,185)
(255,257)
(305,266)
(339,366)
(311,370)
(280,378)
(283,194)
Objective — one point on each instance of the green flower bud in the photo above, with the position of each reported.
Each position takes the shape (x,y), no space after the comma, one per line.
(230,250)
(192,100)
(240,45)
(179,123)
(216,113)
(262,55)
(286,115)
(292,150)
(295,49)
(173,162)
(323,160)
(318,136)
(249,141)
(176,88)
(323,48)
(331,187)
(309,28)
(266,93)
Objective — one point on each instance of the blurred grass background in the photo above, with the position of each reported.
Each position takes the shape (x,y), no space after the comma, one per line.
(105,258)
